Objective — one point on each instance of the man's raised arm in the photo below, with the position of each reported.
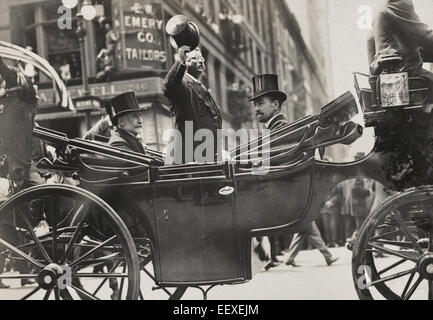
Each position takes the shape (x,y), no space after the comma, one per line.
(173,80)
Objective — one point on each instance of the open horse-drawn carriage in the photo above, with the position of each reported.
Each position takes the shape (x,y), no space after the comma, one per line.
(134,224)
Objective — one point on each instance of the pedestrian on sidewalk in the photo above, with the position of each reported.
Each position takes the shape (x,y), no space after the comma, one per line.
(312,233)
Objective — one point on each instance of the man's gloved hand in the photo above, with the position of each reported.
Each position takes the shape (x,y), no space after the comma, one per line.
(181,54)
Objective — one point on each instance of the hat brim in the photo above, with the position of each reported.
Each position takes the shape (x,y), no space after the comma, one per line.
(122,113)
(281,94)
(194,44)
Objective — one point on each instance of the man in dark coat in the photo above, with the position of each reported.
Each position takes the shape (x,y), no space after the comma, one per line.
(125,114)
(398,30)
(18,100)
(191,102)
(268,101)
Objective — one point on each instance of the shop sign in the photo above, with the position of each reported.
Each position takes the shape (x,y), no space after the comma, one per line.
(142,87)
(141,26)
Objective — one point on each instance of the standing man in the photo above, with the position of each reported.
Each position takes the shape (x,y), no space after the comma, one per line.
(191,102)
(330,215)
(18,100)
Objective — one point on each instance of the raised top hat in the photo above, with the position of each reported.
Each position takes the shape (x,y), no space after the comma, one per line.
(265,84)
(182,32)
(122,104)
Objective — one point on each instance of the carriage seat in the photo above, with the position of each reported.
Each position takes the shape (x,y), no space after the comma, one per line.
(331,126)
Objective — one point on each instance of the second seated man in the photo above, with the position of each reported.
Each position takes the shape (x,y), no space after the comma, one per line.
(268,100)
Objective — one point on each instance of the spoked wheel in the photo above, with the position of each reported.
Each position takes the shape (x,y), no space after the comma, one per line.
(133,217)
(148,287)
(393,254)
(70,258)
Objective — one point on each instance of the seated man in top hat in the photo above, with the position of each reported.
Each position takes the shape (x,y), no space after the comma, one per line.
(190,100)
(125,114)
(268,100)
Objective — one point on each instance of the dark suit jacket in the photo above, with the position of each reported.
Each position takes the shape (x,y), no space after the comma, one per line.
(276,123)
(124,140)
(17,115)
(190,101)
(397,29)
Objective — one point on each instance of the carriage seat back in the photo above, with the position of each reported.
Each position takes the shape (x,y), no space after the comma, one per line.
(93,168)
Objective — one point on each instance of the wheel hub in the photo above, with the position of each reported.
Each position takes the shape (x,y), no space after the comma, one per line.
(47,278)
(425,266)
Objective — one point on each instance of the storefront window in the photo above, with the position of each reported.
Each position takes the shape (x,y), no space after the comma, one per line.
(64,52)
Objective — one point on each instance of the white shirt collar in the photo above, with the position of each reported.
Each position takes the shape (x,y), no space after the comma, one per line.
(270,120)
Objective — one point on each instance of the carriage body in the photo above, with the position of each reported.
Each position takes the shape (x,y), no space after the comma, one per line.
(200,234)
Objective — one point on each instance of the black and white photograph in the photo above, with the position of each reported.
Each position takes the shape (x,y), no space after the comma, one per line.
(216,150)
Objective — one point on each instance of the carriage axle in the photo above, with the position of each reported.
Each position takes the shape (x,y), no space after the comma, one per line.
(47,278)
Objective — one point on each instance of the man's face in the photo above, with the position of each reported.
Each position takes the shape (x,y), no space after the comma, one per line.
(131,122)
(266,108)
(195,62)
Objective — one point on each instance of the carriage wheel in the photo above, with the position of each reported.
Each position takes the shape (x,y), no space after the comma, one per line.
(64,258)
(393,254)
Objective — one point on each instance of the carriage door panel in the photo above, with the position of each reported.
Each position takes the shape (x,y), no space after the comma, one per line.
(195,233)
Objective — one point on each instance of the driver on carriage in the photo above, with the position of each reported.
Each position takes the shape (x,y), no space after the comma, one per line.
(397,30)
(125,114)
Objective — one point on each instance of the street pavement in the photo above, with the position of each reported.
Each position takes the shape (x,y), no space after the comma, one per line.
(313,281)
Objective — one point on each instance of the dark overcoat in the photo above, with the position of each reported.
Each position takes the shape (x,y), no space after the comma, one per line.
(190,101)
(123,140)
(397,29)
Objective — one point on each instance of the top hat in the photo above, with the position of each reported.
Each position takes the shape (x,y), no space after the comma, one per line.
(182,32)
(122,104)
(265,84)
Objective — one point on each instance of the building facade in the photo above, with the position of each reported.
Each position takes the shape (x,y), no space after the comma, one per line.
(239,38)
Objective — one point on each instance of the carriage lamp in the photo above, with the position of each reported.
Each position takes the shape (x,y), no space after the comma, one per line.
(394,89)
